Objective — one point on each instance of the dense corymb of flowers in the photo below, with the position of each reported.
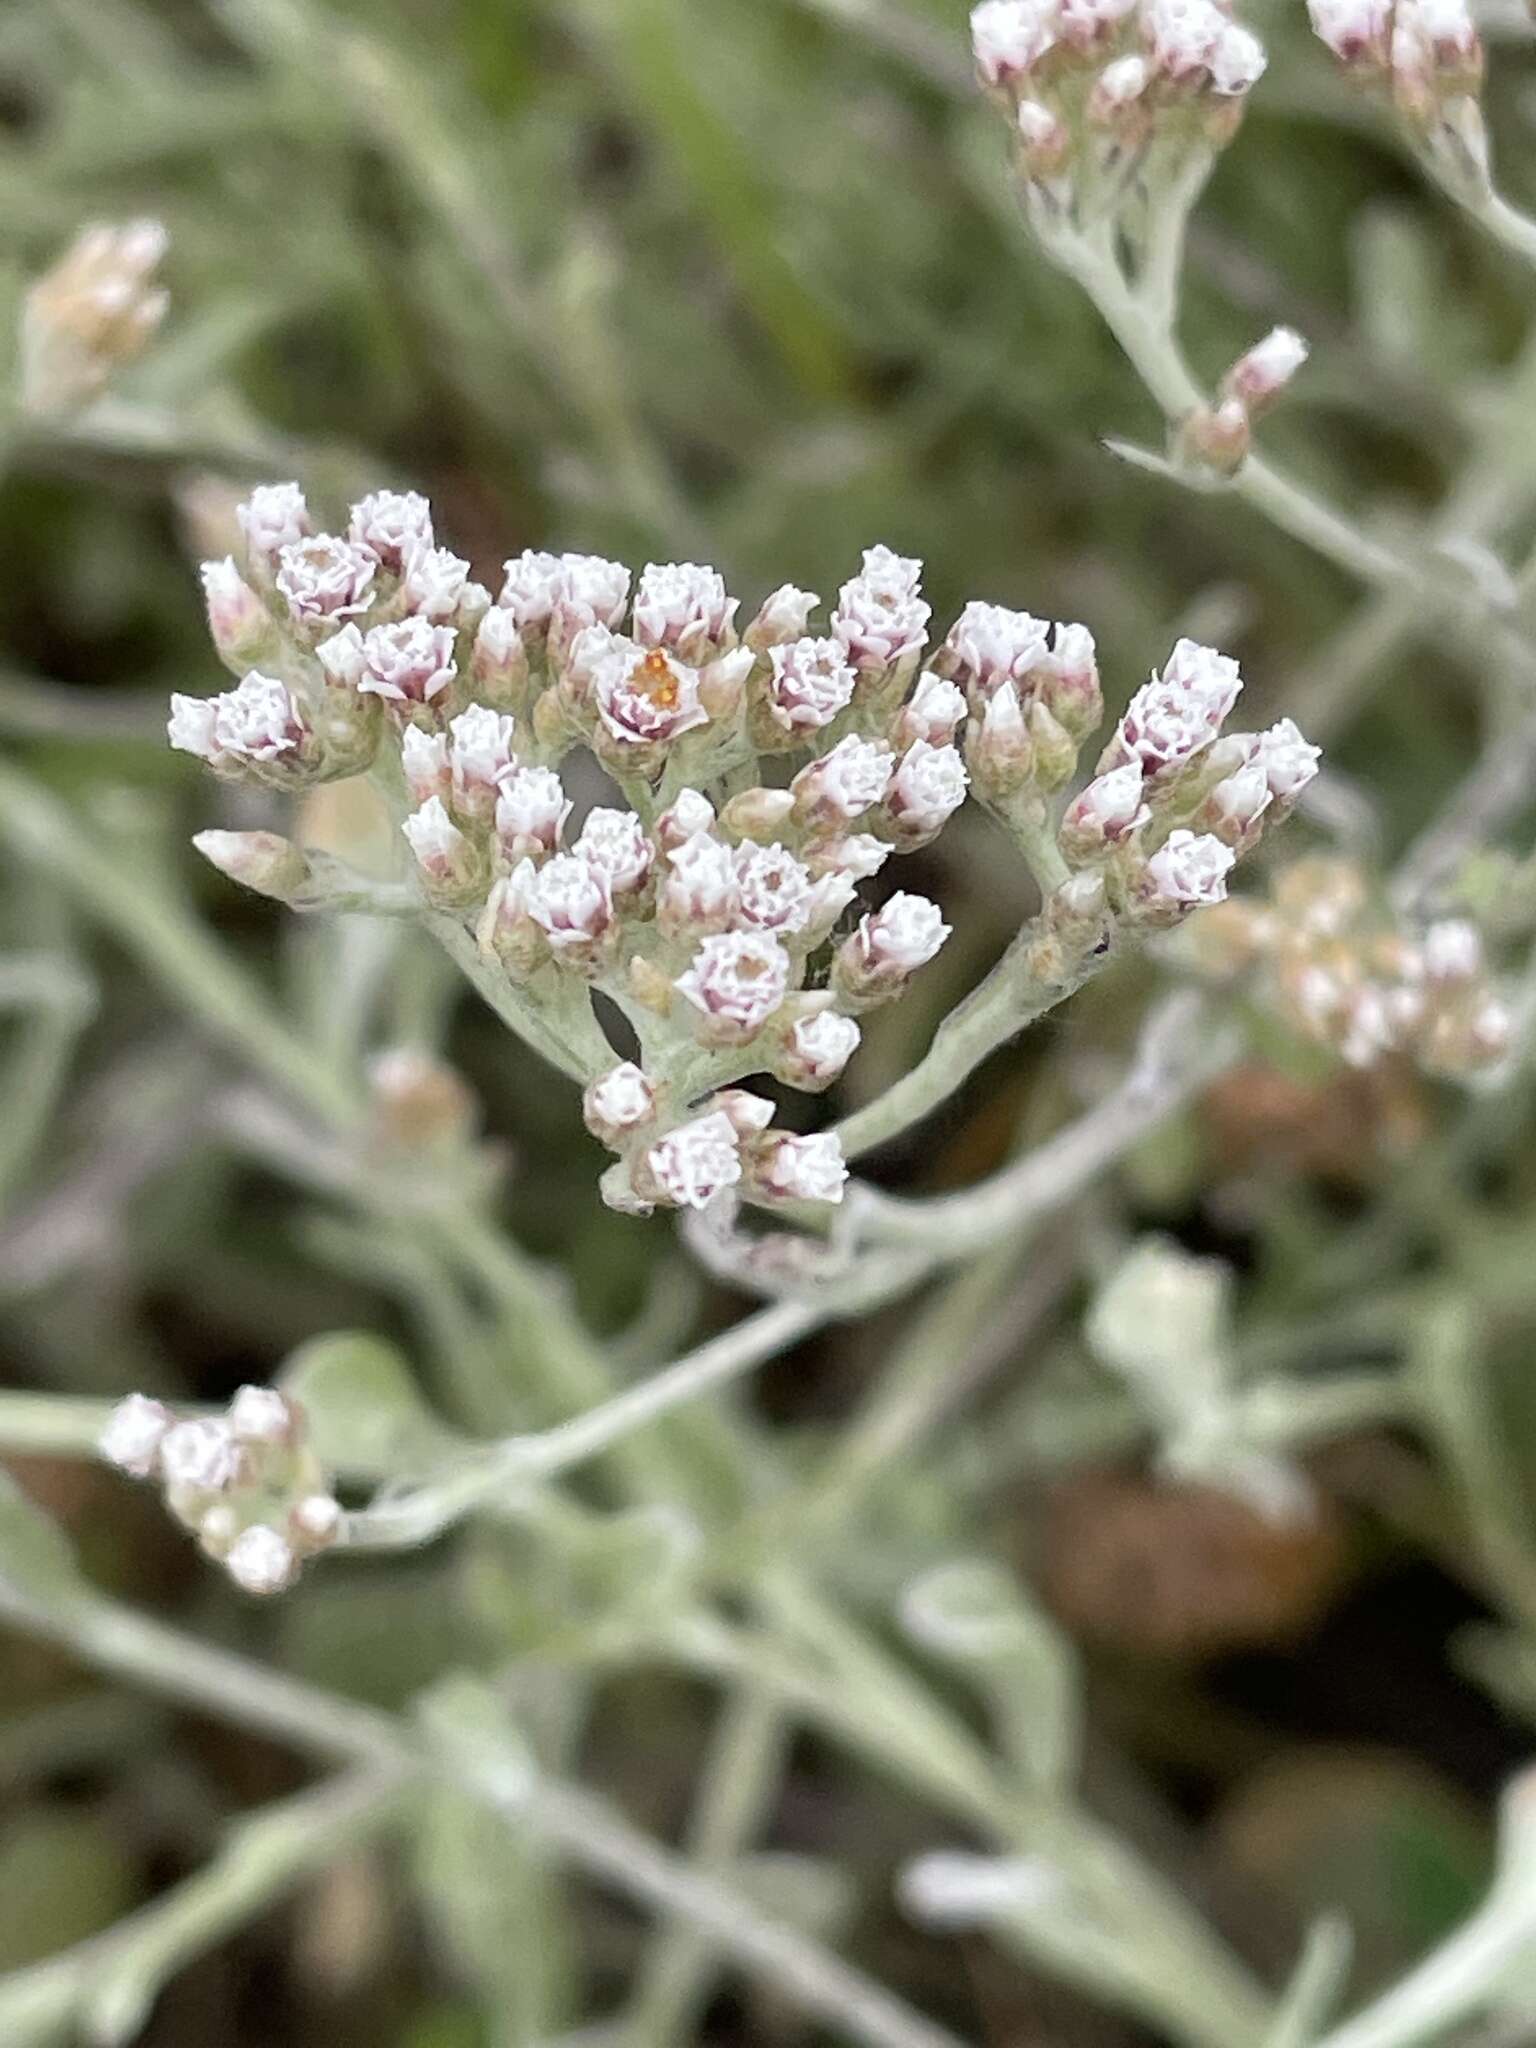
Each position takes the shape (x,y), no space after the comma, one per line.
(762,777)
(246,1483)
(1347,974)
(1092,86)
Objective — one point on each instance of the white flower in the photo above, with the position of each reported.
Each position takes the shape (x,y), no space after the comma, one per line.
(699,890)
(736,982)
(261,1561)
(1238,62)
(927,788)
(684,607)
(190,726)
(1085,22)
(272,518)
(615,842)
(1232,809)
(237,618)
(695,1162)
(261,1415)
(1118,86)
(343,658)
(1433,35)
(1045,136)
(435,584)
(643,696)
(499,659)
(789,1169)
(201,1454)
(393,525)
(691,812)
(1174,716)
(410,662)
(1106,812)
(1188,872)
(1353,29)
(817,1048)
(1009,36)
(569,899)
(773,887)
(934,712)
(135,1430)
(1289,761)
(591,592)
(847,782)
(785,615)
(424,761)
(531,810)
(809,683)
(1453,950)
(316,1520)
(256,722)
(532,586)
(442,852)
(881,617)
(857,854)
(618,1102)
(989,645)
(1256,379)
(479,755)
(1181,34)
(325,578)
(901,936)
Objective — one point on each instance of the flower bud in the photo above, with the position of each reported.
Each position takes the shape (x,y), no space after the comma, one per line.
(1045,141)
(808,683)
(1234,809)
(1009,37)
(684,608)
(1186,873)
(392,525)
(263,1415)
(844,784)
(618,1104)
(273,517)
(890,944)
(614,842)
(926,790)
(452,868)
(1069,681)
(757,813)
(531,810)
(748,1114)
(692,1164)
(419,1104)
(323,582)
(784,616)
(263,861)
(881,618)
(479,758)
(690,813)
(782,1168)
(1104,815)
(201,1457)
(1256,380)
(773,889)
(1216,437)
(815,1049)
(571,902)
(261,1561)
(424,763)
(134,1433)
(934,712)
(238,621)
(314,1524)
(736,982)
(1357,31)
(498,664)
(698,892)
(998,748)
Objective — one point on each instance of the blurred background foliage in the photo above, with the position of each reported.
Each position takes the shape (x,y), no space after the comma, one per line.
(740,280)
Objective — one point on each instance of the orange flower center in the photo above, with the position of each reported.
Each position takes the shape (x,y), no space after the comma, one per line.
(656,679)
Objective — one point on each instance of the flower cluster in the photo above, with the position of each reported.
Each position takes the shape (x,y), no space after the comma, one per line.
(1426,53)
(245,1483)
(1090,85)
(763,776)
(1176,800)
(1346,974)
(96,308)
